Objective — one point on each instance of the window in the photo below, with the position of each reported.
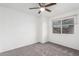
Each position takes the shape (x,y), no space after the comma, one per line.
(57,26)
(68,26)
(65,26)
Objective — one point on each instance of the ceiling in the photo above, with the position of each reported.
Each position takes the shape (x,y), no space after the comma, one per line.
(21,7)
(64,7)
(57,9)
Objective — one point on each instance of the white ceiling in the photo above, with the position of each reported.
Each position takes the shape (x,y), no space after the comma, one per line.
(21,7)
(64,7)
(57,9)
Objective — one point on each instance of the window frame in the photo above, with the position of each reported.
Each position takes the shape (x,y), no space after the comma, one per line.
(61,28)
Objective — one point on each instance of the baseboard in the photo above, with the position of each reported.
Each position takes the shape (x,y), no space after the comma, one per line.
(43,42)
(63,45)
(18,47)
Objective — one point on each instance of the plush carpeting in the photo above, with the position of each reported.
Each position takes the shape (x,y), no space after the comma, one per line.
(38,49)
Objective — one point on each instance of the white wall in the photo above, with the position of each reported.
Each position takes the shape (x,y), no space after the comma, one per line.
(69,40)
(16,29)
(42,28)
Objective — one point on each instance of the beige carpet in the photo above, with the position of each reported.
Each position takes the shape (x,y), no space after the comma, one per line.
(38,49)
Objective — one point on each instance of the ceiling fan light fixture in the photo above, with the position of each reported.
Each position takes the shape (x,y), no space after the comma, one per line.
(42,9)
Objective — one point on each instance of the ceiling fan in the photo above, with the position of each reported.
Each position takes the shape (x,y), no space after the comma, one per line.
(43,7)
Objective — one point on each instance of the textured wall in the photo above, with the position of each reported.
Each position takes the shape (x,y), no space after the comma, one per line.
(16,29)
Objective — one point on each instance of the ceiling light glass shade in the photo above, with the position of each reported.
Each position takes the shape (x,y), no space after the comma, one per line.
(42,9)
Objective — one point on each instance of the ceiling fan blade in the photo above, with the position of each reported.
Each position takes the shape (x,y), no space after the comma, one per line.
(34,8)
(40,4)
(48,10)
(50,4)
(39,12)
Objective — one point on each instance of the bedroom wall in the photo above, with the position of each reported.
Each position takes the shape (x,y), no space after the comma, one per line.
(42,28)
(16,29)
(69,40)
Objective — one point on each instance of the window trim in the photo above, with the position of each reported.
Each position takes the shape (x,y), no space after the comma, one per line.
(61,19)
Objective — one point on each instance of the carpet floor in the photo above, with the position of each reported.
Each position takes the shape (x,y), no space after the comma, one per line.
(38,49)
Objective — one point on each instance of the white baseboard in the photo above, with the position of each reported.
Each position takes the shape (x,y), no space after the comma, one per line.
(19,46)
